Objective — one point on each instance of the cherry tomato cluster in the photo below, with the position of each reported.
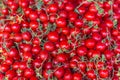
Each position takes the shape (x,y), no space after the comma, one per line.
(59,39)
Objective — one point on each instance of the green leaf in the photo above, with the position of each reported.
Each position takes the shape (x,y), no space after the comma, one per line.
(49,71)
(110,2)
(96,27)
(90,23)
(19,10)
(110,12)
(39,4)
(89,0)
(40,27)
(100,11)
(115,22)
(60,51)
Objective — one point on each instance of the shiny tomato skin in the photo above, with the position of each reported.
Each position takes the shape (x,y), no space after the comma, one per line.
(34,25)
(90,43)
(61,22)
(53,8)
(62,57)
(89,16)
(103,73)
(77,76)
(16,27)
(28,73)
(53,36)
(81,51)
(59,73)
(33,16)
(26,36)
(91,74)
(49,46)
(10,74)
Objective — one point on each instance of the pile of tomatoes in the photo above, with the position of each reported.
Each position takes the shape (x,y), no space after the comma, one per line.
(59,39)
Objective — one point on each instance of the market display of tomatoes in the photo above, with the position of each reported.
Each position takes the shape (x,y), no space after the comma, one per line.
(59,39)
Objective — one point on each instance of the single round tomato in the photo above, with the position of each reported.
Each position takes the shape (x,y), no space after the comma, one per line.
(34,25)
(91,74)
(28,72)
(61,57)
(33,15)
(103,73)
(16,27)
(82,51)
(49,46)
(26,36)
(90,43)
(61,22)
(77,76)
(10,74)
(59,73)
(89,16)
(53,36)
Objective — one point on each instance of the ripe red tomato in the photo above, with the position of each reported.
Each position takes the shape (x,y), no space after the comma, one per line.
(22,65)
(59,73)
(33,15)
(63,13)
(47,74)
(36,49)
(64,45)
(90,65)
(43,55)
(13,6)
(15,28)
(34,25)
(43,17)
(5,11)
(81,10)
(15,66)
(13,53)
(82,66)
(61,22)
(67,76)
(77,76)
(48,65)
(53,8)
(17,37)
(27,47)
(62,57)
(90,43)
(10,74)
(9,61)
(72,16)
(36,41)
(28,73)
(49,46)
(23,3)
(91,74)
(89,16)
(78,23)
(81,51)
(27,56)
(53,36)
(96,36)
(69,7)
(4,67)
(27,11)
(103,73)
(108,54)
(100,46)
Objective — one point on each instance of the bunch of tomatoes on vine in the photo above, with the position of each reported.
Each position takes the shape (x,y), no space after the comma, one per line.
(59,39)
